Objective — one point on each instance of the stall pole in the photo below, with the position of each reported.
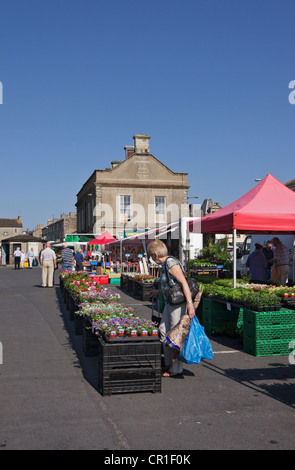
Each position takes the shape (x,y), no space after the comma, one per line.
(235,256)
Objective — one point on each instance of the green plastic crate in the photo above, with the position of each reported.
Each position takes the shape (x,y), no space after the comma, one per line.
(266,319)
(218,319)
(267,348)
(115,280)
(285,332)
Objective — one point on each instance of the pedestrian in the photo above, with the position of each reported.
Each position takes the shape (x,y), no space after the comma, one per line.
(281,260)
(31,256)
(17,257)
(257,262)
(67,258)
(79,260)
(268,253)
(48,263)
(22,259)
(157,250)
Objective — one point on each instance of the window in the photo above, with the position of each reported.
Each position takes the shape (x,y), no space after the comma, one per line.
(160,208)
(125,211)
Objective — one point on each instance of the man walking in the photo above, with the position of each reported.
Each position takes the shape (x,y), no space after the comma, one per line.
(17,256)
(48,263)
(67,258)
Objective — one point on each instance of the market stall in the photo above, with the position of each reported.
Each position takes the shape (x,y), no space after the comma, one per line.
(267,208)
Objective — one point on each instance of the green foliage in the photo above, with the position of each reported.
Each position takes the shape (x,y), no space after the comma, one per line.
(214,253)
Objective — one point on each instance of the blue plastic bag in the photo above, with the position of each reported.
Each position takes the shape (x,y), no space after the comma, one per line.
(197,345)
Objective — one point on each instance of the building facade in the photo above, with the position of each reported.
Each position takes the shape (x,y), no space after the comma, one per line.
(57,229)
(10,228)
(133,195)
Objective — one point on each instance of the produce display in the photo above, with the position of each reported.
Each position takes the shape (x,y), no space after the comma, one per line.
(253,296)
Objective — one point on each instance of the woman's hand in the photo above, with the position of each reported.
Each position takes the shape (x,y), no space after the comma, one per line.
(191,310)
(154,292)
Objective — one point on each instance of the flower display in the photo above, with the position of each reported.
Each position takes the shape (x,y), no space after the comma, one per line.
(104,309)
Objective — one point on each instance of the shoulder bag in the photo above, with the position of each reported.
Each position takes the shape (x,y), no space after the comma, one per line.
(174,293)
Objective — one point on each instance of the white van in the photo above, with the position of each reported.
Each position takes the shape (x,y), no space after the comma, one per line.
(249,246)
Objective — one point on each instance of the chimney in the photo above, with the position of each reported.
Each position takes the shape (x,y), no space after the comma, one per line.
(129,150)
(141,143)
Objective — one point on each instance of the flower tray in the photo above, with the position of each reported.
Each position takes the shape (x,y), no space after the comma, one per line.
(127,339)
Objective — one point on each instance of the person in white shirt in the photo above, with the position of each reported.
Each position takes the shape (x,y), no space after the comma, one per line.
(22,259)
(17,256)
(31,256)
(48,263)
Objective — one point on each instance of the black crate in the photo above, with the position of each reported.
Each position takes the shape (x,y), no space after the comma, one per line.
(73,305)
(90,340)
(78,324)
(129,354)
(129,367)
(129,380)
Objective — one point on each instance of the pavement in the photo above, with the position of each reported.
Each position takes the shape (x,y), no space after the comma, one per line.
(49,398)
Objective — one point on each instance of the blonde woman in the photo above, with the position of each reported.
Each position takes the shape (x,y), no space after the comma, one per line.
(157,250)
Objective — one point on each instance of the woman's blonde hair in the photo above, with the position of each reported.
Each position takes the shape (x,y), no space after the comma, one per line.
(157,247)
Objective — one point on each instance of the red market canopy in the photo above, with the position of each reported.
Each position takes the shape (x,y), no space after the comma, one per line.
(103,239)
(267,208)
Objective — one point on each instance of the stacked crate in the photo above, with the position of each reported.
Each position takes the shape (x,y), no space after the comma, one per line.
(90,340)
(129,366)
(268,333)
(219,316)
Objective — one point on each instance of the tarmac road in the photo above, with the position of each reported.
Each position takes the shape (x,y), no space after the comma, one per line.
(49,397)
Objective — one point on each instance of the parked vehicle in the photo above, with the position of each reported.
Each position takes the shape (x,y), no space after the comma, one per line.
(249,246)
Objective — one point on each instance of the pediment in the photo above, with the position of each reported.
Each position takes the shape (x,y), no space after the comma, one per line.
(145,168)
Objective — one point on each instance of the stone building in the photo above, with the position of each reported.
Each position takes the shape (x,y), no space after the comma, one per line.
(10,228)
(24,242)
(291,184)
(57,229)
(133,195)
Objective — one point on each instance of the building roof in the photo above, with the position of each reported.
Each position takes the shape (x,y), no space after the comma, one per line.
(10,223)
(23,238)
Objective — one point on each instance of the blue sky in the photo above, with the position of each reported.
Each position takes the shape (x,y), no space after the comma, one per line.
(206,79)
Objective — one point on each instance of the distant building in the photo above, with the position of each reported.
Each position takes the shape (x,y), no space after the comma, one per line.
(133,195)
(57,229)
(10,228)
(291,184)
(22,241)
